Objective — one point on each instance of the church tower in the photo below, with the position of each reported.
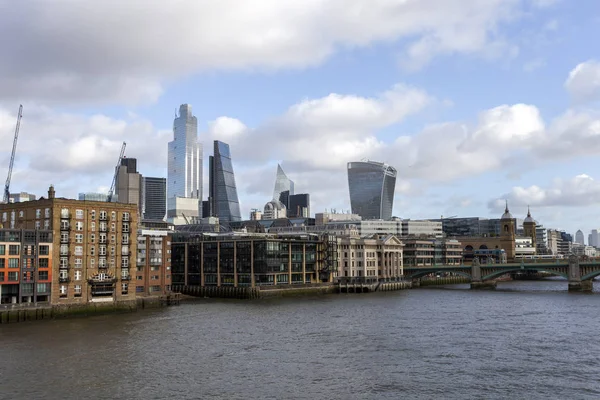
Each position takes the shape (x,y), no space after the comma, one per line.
(507,234)
(529,226)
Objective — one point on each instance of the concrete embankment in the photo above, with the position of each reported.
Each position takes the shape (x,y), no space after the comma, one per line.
(22,313)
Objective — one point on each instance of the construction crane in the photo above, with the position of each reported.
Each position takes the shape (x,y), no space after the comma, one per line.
(114,182)
(12,157)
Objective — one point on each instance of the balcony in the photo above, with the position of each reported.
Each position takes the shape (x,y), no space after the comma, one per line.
(126,277)
(65,227)
(64,280)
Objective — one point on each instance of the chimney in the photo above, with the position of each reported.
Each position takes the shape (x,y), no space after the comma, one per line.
(51,192)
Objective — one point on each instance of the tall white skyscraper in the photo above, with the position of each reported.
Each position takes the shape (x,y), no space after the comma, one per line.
(184,174)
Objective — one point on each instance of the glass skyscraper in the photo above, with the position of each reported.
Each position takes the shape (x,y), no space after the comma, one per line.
(184,174)
(282,184)
(223,197)
(371,187)
(154,192)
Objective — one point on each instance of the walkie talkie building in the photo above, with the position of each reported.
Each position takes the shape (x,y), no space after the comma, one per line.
(371,187)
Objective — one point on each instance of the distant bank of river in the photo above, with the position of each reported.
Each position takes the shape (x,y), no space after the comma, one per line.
(526,340)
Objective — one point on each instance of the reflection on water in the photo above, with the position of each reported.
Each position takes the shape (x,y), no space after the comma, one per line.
(530,340)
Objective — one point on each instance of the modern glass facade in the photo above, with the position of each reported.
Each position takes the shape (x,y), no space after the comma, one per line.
(299,206)
(184,175)
(223,192)
(371,187)
(282,184)
(154,191)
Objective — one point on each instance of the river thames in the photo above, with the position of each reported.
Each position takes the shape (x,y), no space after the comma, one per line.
(526,340)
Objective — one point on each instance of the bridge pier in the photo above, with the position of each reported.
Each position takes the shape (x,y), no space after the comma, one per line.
(581,286)
(487,285)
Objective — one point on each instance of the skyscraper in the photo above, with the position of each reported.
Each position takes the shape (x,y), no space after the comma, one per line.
(223,197)
(299,206)
(184,175)
(579,237)
(128,183)
(282,184)
(595,238)
(154,198)
(371,187)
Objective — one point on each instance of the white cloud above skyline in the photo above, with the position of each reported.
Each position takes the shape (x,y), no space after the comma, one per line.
(90,80)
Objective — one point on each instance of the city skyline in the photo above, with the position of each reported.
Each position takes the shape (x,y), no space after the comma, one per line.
(461,119)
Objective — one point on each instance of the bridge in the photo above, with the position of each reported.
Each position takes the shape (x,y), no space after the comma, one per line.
(579,273)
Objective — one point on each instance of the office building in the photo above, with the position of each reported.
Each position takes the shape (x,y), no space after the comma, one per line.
(252,260)
(223,197)
(154,198)
(595,238)
(20,197)
(274,209)
(93,246)
(376,257)
(184,170)
(282,184)
(421,228)
(579,237)
(298,205)
(371,186)
(90,196)
(129,183)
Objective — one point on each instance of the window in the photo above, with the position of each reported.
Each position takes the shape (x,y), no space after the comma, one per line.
(124,288)
(112,227)
(38,213)
(77,275)
(46,224)
(43,263)
(64,249)
(64,262)
(78,250)
(103,215)
(93,226)
(21,214)
(93,214)
(155,288)
(64,237)
(112,251)
(13,276)
(4,217)
(92,238)
(79,225)
(13,250)
(47,213)
(64,213)
(63,274)
(125,238)
(112,239)
(43,275)
(92,251)
(13,263)
(43,287)
(102,238)
(79,238)
(102,250)
(38,224)
(154,277)
(79,214)
(2,250)
(78,263)
(113,215)
(125,216)
(139,289)
(63,290)
(77,290)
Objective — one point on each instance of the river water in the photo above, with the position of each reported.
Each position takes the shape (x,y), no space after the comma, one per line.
(526,340)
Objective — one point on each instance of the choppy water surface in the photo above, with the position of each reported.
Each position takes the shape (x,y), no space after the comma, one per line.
(527,340)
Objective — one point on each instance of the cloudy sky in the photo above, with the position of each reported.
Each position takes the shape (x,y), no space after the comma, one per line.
(473,101)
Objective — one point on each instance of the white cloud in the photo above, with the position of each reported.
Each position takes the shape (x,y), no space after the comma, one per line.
(544,3)
(579,191)
(104,51)
(583,82)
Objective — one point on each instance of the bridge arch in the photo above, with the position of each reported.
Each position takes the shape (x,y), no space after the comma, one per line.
(428,271)
(483,247)
(497,274)
(591,275)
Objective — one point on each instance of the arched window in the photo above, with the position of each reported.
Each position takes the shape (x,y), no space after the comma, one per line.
(505,228)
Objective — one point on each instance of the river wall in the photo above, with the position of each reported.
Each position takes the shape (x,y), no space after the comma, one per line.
(23,313)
